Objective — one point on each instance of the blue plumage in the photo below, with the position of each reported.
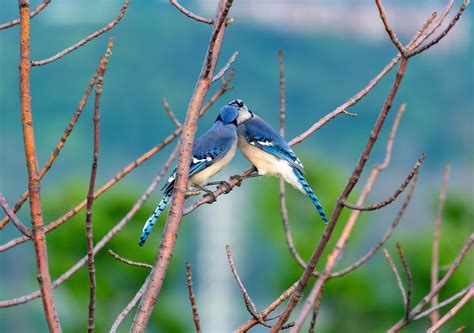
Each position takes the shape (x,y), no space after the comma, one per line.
(268,151)
(211,153)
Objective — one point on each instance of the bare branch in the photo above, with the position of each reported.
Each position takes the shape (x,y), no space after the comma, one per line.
(127,261)
(67,216)
(59,145)
(171,114)
(302,282)
(409,274)
(122,315)
(282,94)
(388,28)
(395,195)
(189,279)
(226,67)
(396,274)
(191,14)
(436,237)
(36,212)
(175,213)
(443,303)
(316,311)
(248,301)
(387,235)
(452,312)
(104,240)
(35,12)
(90,196)
(20,226)
(85,40)
(445,31)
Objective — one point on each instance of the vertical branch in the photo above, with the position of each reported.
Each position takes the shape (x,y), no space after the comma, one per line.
(39,241)
(192,299)
(175,214)
(90,195)
(282,94)
(409,274)
(434,317)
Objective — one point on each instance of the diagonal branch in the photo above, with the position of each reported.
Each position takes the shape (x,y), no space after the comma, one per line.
(127,261)
(35,12)
(396,274)
(85,40)
(20,226)
(395,195)
(190,14)
(171,114)
(409,274)
(469,295)
(226,67)
(388,28)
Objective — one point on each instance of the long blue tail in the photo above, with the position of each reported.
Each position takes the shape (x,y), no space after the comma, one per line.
(311,194)
(153,218)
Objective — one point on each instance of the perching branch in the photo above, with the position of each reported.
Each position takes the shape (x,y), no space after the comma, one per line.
(192,298)
(434,317)
(85,40)
(38,234)
(67,216)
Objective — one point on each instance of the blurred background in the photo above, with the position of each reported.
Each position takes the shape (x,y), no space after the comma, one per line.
(332,50)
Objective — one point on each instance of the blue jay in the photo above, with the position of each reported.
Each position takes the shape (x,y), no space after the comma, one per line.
(270,153)
(211,153)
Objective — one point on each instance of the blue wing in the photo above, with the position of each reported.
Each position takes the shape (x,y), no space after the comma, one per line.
(261,135)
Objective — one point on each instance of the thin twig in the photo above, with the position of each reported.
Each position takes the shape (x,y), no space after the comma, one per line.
(326,236)
(396,274)
(68,215)
(226,67)
(38,234)
(122,315)
(192,298)
(395,195)
(434,317)
(16,221)
(409,274)
(252,322)
(35,12)
(316,311)
(171,114)
(434,291)
(119,226)
(387,235)
(59,145)
(388,28)
(443,303)
(452,312)
(249,304)
(190,14)
(85,40)
(90,196)
(445,31)
(128,261)
(282,93)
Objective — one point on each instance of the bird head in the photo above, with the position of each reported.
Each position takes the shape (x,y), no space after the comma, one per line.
(244,112)
(228,114)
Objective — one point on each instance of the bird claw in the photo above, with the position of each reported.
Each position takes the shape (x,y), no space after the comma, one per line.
(225,186)
(238,178)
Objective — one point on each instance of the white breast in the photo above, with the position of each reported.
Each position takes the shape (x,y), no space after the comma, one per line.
(201,177)
(267,163)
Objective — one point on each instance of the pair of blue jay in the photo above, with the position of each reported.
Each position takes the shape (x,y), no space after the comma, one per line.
(236,126)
